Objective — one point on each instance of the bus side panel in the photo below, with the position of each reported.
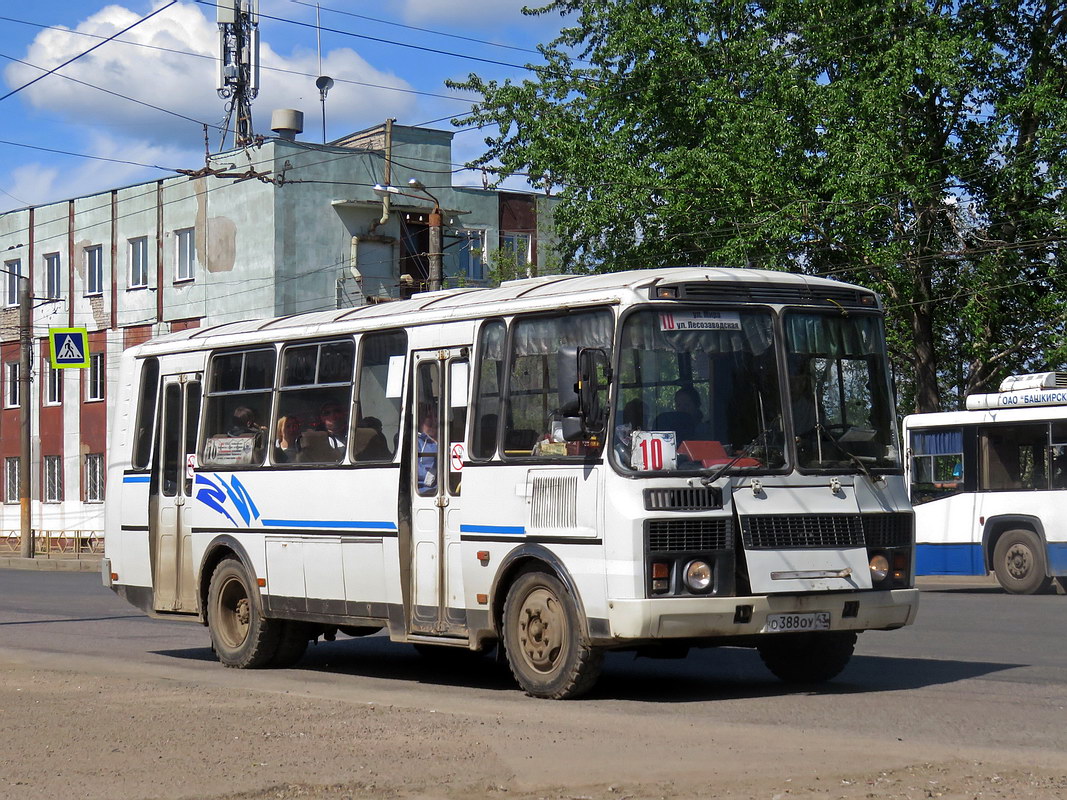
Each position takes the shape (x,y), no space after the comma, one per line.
(948,538)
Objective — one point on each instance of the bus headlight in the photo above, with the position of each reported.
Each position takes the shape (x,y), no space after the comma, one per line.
(698,576)
(879,568)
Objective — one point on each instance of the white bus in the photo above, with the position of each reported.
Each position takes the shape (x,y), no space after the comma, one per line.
(989,485)
(560,466)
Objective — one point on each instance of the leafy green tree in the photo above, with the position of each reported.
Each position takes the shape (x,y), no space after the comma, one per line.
(914,146)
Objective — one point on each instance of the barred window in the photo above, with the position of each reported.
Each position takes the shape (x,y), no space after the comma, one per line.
(94,478)
(53,479)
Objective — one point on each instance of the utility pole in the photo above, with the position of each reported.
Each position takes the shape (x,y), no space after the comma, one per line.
(238,64)
(435,249)
(25,470)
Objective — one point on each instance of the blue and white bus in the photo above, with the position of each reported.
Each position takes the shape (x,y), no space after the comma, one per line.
(989,485)
(560,466)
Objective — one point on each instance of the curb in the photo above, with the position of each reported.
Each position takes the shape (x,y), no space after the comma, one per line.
(44,564)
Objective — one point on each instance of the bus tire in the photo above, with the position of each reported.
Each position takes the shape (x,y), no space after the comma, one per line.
(1019,563)
(240,635)
(543,639)
(293,640)
(807,658)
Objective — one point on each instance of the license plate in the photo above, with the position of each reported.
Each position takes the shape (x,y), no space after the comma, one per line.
(797,623)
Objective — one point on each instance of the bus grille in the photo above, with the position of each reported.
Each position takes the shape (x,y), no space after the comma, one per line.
(682,535)
(825,530)
(771,293)
(701,498)
(554,501)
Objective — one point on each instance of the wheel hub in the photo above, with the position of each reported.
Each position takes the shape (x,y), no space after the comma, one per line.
(541,630)
(1019,561)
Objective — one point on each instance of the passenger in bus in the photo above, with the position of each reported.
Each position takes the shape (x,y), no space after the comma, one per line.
(334,421)
(687,419)
(244,422)
(427,448)
(287,441)
(369,443)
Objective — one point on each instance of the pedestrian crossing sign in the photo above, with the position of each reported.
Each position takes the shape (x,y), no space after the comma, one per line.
(69,347)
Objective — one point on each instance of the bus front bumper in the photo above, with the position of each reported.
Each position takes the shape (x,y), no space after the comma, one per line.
(714,617)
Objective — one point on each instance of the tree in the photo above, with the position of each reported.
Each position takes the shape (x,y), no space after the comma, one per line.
(916,147)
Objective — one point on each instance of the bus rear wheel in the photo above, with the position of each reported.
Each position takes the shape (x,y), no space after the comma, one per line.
(1019,563)
(543,641)
(240,635)
(807,657)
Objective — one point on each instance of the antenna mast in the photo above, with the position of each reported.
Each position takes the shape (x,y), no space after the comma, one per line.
(238,65)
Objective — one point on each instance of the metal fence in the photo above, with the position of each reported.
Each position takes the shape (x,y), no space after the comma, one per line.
(56,544)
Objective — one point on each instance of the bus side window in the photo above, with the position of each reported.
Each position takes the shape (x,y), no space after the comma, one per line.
(380,385)
(146,414)
(489,379)
(237,408)
(936,465)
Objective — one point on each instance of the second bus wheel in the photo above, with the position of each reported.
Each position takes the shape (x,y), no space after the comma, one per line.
(240,635)
(543,641)
(1019,563)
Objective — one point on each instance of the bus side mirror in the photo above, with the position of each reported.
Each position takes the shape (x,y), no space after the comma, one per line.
(582,374)
(593,365)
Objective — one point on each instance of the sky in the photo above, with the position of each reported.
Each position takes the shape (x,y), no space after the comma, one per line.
(387,58)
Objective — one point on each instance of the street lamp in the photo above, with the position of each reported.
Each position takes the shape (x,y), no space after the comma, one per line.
(434,254)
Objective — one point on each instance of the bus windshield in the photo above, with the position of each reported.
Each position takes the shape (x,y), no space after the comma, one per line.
(697,390)
(840,401)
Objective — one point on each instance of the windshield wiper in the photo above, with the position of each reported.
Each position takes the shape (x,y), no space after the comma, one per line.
(820,430)
(748,450)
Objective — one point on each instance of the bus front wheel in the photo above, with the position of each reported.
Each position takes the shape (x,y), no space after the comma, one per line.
(240,635)
(1019,563)
(807,657)
(543,639)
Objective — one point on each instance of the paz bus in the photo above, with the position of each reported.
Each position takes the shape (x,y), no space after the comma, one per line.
(558,467)
(989,485)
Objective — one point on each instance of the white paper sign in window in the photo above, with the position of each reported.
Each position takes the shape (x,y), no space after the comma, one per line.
(652,451)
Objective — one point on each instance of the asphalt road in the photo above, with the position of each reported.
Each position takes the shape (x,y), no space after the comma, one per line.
(976,687)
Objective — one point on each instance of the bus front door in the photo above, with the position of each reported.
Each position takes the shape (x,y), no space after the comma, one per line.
(170,534)
(437,452)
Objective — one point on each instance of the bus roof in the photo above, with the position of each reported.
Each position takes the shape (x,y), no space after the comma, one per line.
(729,285)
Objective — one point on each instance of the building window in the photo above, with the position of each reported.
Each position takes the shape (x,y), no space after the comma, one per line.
(517,247)
(11,387)
(186,255)
(139,262)
(53,479)
(12,476)
(94,478)
(53,278)
(94,389)
(471,254)
(12,272)
(54,396)
(94,269)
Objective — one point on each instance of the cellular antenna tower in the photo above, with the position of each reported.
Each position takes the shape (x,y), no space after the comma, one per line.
(238,65)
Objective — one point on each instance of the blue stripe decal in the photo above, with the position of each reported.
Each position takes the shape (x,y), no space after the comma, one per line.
(328,523)
(949,559)
(1057,558)
(507,530)
(136,479)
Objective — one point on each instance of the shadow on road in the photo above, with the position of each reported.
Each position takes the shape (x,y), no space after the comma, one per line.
(709,674)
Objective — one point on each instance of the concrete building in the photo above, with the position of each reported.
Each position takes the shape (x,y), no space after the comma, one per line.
(279,228)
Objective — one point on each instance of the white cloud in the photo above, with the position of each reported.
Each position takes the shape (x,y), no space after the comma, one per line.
(185,82)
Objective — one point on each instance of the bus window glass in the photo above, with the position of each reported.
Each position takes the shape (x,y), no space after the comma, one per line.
(238,408)
(490,378)
(840,399)
(697,390)
(146,414)
(1058,456)
(457,420)
(427,401)
(936,464)
(1014,457)
(313,403)
(533,412)
(378,410)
